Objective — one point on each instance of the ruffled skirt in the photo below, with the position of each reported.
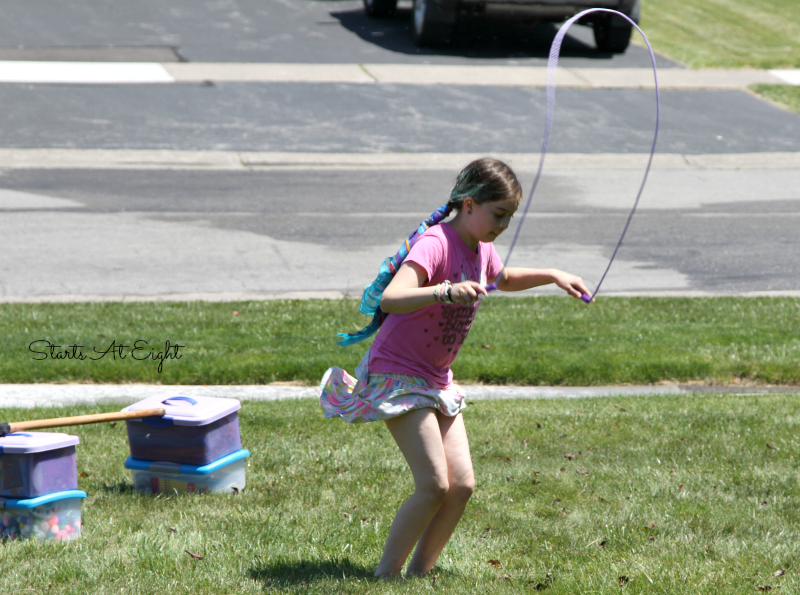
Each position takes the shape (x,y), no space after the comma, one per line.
(372,397)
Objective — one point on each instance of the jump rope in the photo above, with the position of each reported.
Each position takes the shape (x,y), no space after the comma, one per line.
(552,64)
(370,301)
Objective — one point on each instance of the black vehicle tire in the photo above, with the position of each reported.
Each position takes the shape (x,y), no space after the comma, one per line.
(428,31)
(380,8)
(612,37)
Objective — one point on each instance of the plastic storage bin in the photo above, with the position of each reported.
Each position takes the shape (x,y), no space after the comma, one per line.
(193,431)
(37,463)
(223,475)
(54,516)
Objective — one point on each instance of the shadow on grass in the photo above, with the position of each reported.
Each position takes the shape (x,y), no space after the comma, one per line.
(120,487)
(285,574)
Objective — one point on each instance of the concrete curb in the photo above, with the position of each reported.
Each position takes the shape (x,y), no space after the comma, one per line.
(337,295)
(60,395)
(11,158)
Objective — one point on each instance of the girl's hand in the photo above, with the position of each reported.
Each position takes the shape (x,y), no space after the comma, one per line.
(572,284)
(467,292)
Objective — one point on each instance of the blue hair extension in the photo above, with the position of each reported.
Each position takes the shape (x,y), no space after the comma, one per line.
(463,189)
(371,298)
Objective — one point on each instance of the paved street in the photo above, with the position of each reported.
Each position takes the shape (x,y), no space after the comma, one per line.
(278,31)
(322,137)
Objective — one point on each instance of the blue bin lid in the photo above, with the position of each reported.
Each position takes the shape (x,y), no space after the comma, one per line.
(187,411)
(18,443)
(41,500)
(179,469)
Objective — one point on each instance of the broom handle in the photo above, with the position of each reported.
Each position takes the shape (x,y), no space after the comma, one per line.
(79,420)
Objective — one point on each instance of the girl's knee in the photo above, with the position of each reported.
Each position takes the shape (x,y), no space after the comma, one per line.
(434,490)
(463,487)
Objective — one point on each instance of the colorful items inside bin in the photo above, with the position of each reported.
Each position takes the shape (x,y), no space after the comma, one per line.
(54,516)
(156,477)
(37,463)
(193,431)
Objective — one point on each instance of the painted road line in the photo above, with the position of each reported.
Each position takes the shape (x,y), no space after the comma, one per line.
(84,73)
(232,160)
(791,77)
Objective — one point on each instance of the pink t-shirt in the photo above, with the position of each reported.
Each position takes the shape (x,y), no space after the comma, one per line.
(425,342)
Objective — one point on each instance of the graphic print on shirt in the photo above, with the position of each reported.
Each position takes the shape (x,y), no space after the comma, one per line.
(456,324)
(458,319)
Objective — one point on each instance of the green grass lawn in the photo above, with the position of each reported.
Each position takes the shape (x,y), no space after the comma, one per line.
(782,95)
(728,34)
(678,495)
(725,33)
(527,341)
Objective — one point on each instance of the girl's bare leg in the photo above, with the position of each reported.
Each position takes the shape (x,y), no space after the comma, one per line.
(419,437)
(461,483)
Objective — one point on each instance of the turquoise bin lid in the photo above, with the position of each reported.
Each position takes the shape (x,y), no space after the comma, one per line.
(41,500)
(179,469)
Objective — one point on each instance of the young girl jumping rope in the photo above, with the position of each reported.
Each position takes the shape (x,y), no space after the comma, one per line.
(404,378)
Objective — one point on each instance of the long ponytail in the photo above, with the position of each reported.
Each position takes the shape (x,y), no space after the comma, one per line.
(371,298)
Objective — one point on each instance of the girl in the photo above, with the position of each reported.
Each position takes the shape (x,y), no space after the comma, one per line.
(404,378)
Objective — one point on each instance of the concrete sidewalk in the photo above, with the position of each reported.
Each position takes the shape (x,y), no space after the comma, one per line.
(60,395)
(518,76)
(161,159)
(92,73)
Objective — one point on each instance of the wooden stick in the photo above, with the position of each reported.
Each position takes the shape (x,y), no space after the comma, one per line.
(78,420)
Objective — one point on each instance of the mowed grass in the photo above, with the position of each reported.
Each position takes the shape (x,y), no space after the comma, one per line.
(782,95)
(728,34)
(679,495)
(725,33)
(526,341)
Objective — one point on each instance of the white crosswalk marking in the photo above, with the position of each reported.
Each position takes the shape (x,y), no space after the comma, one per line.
(83,72)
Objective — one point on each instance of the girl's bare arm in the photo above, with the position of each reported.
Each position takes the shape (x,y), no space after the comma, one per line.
(406,292)
(517,279)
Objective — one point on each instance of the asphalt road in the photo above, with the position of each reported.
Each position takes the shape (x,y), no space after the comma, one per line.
(387,118)
(294,31)
(95,233)
(80,233)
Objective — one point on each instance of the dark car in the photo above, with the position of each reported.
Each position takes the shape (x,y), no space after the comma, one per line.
(434,19)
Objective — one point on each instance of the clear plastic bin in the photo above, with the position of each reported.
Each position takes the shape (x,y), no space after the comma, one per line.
(156,477)
(54,516)
(37,463)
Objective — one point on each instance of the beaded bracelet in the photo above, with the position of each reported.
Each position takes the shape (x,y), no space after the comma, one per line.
(443,292)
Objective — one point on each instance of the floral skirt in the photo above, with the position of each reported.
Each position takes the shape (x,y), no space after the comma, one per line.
(371,397)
